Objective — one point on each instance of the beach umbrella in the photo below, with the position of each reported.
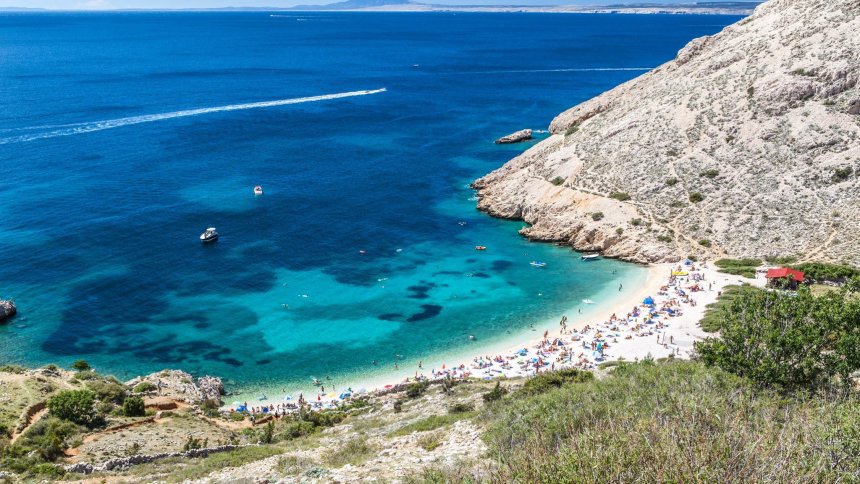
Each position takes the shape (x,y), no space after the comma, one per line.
(648,300)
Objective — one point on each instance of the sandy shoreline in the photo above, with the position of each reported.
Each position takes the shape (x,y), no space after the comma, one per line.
(675,337)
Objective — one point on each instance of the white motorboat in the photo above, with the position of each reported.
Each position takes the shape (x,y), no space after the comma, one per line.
(209,235)
(587,257)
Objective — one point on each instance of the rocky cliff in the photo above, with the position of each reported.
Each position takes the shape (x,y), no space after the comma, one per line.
(746,144)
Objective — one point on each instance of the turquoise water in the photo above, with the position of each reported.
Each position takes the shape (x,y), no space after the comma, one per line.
(123,136)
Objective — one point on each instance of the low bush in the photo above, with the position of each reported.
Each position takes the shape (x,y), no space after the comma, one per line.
(107,391)
(461,407)
(712,319)
(416,389)
(555,379)
(133,407)
(597,216)
(671,422)
(144,387)
(354,452)
(671,181)
(821,271)
(696,197)
(432,422)
(557,181)
(705,243)
(75,406)
(620,196)
(738,267)
(81,365)
(495,394)
(711,173)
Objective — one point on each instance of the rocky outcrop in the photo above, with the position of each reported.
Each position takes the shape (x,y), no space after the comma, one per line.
(518,137)
(123,463)
(747,144)
(7,310)
(181,386)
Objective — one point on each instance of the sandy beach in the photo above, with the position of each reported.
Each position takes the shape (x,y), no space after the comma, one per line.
(618,328)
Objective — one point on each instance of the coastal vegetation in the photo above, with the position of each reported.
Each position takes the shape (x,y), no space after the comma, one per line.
(738,267)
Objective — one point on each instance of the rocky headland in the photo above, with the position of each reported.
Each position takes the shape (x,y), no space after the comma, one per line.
(7,310)
(746,144)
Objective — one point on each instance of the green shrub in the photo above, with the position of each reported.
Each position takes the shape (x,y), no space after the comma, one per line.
(555,379)
(461,407)
(711,173)
(86,375)
(596,216)
(49,438)
(81,365)
(416,389)
(75,406)
(573,128)
(671,182)
(842,174)
(705,243)
(712,319)
(636,222)
(296,429)
(620,196)
(429,442)
(107,391)
(495,394)
(788,341)
(354,452)
(268,434)
(398,406)
(557,181)
(16,369)
(133,407)
(671,422)
(144,387)
(193,443)
(821,271)
(432,422)
(696,197)
(738,267)
(619,230)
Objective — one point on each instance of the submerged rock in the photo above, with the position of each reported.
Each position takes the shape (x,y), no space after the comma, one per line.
(7,309)
(519,136)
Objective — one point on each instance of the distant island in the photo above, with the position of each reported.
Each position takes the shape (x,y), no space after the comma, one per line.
(715,8)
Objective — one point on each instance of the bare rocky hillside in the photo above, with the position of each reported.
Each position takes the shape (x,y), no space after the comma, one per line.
(746,144)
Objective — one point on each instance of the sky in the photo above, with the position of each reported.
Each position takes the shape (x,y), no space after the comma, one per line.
(172,4)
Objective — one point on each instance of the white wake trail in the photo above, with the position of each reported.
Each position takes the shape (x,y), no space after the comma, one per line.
(81,128)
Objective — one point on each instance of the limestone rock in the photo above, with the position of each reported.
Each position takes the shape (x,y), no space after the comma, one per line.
(746,144)
(180,385)
(7,310)
(519,136)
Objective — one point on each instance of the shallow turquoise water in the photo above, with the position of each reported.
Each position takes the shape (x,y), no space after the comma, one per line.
(99,221)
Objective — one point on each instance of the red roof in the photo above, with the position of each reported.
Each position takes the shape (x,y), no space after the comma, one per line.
(784,272)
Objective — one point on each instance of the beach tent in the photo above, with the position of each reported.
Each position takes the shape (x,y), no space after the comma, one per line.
(345,395)
(648,300)
(688,262)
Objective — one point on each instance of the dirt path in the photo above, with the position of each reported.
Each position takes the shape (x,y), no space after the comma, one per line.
(35,418)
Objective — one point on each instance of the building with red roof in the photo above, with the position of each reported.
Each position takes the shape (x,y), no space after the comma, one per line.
(783,276)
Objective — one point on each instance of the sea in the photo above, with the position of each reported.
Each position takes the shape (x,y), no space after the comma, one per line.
(124,135)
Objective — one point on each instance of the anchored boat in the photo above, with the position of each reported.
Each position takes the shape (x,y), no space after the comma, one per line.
(587,257)
(209,235)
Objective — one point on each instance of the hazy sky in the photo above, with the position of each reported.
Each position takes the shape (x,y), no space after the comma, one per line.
(108,4)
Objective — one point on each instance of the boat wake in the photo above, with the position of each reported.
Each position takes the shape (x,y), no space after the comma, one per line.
(80,128)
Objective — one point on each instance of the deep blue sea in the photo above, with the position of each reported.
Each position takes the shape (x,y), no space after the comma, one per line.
(124,135)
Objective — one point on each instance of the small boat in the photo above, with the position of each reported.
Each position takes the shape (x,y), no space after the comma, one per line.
(258,190)
(480,247)
(535,263)
(588,301)
(209,235)
(587,257)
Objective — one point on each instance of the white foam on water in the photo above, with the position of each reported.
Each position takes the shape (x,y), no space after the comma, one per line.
(80,128)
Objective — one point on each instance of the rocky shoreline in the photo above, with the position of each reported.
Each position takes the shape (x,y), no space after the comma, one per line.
(7,309)
(740,146)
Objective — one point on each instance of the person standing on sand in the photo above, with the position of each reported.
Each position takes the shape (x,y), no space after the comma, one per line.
(619,287)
